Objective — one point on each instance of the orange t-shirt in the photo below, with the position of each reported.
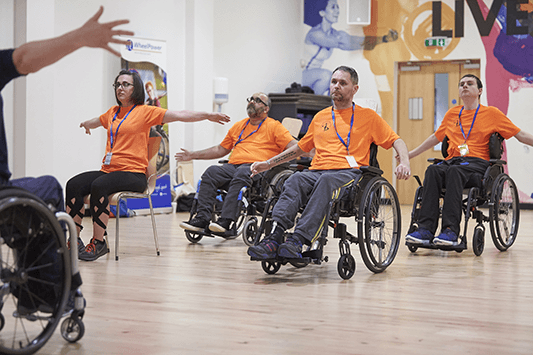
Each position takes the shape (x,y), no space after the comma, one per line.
(130,143)
(269,140)
(488,120)
(368,127)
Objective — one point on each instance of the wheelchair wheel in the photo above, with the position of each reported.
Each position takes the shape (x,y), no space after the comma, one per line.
(242,217)
(249,232)
(276,185)
(379,224)
(270,267)
(193,237)
(504,213)
(35,272)
(478,241)
(72,329)
(346,266)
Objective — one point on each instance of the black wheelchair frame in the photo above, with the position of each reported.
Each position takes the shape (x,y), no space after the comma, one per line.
(40,277)
(252,201)
(373,202)
(496,190)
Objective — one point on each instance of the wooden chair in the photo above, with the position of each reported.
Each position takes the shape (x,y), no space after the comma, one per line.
(152,174)
(293,125)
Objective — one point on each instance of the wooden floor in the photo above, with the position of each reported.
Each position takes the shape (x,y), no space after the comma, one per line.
(210,298)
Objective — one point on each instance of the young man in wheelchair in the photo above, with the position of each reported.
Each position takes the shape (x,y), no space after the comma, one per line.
(341,135)
(468,129)
(257,136)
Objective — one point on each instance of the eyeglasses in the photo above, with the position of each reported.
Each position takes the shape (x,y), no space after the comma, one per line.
(124,85)
(256,99)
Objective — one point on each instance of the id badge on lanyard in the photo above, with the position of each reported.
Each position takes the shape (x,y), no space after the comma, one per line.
(109,155)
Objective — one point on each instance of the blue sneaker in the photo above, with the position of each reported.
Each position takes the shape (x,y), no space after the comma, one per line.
(291,249)
(419,236)
(266,249)
(448,237)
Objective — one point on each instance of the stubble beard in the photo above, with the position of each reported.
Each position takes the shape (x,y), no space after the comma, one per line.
(253,112)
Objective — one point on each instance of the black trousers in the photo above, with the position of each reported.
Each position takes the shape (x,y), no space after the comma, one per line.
(454,175)
(100,185)
(227,176)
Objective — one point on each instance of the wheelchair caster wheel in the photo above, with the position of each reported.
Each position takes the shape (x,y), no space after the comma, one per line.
(249,232)
(346,266)
(193,237)
(270,267)
(478,242)
(72,329)
(412,248)
(2,321)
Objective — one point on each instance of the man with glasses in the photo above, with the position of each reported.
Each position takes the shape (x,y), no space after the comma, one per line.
(253,138)
(341,135)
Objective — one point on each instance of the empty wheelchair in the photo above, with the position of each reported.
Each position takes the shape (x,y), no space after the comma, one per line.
(374,203)
(39,275)
(251,202)
(493,189)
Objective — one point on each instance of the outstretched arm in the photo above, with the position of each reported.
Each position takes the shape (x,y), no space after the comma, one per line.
(214,152)
(285,156)
(91,124)
(524,137)
(403,169)
(195,116)
(33,56)
(430,141)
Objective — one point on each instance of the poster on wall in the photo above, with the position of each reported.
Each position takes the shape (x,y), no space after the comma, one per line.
(148,58)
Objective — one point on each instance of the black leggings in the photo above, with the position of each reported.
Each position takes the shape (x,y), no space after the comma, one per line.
(100,185)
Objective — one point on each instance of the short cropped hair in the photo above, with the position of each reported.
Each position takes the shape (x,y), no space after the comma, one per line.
(349,70)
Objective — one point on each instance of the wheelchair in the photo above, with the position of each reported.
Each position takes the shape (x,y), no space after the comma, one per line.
(494,189)
(40,278)
(252,201)
(373,202)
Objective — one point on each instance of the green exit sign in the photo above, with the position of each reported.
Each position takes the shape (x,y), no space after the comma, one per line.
(436,42)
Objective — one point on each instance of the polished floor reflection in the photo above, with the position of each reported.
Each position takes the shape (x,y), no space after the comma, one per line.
(209,298)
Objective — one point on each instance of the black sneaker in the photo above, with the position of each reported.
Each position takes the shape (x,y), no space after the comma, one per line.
(221,225)
(94,250)
(268,247)
(291,249)
(195,225)
(81,245)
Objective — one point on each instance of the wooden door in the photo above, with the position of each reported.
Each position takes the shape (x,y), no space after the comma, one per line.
(423,85)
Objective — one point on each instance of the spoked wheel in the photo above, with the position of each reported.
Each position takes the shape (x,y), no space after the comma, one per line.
(249,232)
(276,185)
(242,218)
(478,241)
(346,266)
(270,267)
(379,224)
(72,329)
(504,213)
(35,272)
(193,237)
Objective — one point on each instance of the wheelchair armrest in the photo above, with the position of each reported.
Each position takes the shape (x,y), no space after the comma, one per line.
(223,161)
(298,167)
(435,160)
(497,162)
(371,169)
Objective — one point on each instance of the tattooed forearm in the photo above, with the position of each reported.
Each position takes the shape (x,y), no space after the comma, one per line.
(283,157)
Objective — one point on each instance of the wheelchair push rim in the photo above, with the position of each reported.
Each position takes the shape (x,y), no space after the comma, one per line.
(35,270)
(379,224)
(504,213)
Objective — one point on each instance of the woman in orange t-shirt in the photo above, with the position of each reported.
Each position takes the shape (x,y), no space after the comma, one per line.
(125,160)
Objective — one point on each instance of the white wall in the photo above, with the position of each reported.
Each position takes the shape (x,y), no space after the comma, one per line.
(256,44)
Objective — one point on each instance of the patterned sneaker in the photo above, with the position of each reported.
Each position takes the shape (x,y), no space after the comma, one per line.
(419,236)
(221,225)
(268,247)
(81,245)
(195,225)
(291,249)
(94,250)
(448,237)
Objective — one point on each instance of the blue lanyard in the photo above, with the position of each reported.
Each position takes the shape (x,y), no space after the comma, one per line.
(111,128)
(240,135)
(347,143)
(474,120)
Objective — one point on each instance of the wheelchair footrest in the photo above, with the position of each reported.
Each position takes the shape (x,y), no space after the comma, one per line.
(426,244)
